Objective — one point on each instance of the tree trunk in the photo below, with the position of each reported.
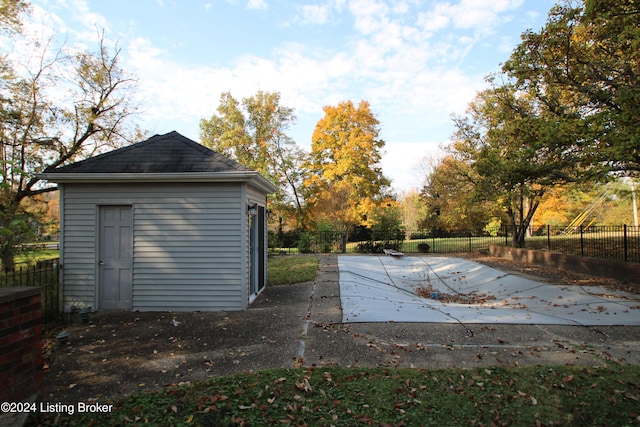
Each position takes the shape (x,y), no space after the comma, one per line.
(6,248)
(519,221)
(519,231)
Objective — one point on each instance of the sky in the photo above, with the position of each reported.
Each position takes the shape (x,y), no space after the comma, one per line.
(415,62)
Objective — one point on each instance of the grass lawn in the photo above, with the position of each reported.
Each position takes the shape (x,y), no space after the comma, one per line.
(288,269)
(530,396)
(37,255)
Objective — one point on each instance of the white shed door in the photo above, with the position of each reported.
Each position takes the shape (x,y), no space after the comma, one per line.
(115,257)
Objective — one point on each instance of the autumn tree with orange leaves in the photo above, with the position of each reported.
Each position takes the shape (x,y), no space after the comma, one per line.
(344,182)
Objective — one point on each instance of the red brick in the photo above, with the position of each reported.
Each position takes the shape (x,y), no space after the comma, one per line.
(25,318)
(10,329)
(5,313)
(21,358)
(20,336)
(27,357)
(31,324)
(19,368)
(6,359)
(29,308)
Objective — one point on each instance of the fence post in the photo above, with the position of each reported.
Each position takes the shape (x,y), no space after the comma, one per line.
(548,237)
(506,235)
(581,241)
(626,243)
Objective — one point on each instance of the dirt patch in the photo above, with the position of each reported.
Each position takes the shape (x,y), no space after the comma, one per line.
(127,352)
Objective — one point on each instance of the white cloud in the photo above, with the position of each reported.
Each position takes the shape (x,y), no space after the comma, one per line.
(314,14)
(317,13)
(394,68)
(401,161)
(81,13)
(467,14)
(369,15)
(257,4)
(400,7)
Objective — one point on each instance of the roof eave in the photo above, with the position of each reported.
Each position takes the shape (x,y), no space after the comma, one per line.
(251,177)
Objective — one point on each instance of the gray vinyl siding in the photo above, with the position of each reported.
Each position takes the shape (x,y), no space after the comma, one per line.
(187,245)
(79,249)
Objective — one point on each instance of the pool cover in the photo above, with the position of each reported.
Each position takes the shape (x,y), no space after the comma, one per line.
(455,290)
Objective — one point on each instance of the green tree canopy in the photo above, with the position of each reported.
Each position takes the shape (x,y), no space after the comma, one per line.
(516,150)
(253,132)
(565,109)
(450,200)
(586,60)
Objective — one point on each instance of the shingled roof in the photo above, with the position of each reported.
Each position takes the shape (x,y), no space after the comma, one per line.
(171,157)
(168,153)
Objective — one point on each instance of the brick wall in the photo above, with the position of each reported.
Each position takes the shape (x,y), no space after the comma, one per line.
(627,271)
(21,360)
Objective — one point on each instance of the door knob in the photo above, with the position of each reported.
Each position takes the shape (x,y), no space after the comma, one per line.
(100,263)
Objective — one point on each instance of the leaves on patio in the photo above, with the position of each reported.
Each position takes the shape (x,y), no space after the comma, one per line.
(556,274)
(459,298)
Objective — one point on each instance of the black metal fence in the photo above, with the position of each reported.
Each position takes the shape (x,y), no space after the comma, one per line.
(616,243)
(369,241)
(619,243)
(44,274)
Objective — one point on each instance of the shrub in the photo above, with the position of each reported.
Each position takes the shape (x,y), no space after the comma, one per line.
(423,248)
(304,244)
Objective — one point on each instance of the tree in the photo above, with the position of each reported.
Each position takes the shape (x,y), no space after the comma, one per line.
(413,209)
(10,15)
(387,230)
(66,106)
(450,200)
(587,59)
(253,132)
(517,149)
(344,179)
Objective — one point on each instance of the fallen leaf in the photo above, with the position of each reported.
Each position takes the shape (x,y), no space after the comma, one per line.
(304,385)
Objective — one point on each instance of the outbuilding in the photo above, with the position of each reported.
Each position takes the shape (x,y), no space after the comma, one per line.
(162,225)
